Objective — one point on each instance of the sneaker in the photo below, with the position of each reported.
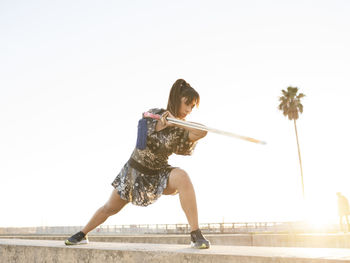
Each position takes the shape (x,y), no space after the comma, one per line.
(198,240)
(77,239)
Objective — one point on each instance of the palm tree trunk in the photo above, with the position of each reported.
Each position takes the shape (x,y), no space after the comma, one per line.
(301,168)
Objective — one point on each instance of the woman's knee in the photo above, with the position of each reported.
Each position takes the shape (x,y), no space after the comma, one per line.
(113,205)
(180,178)
(109,210)
(112,208)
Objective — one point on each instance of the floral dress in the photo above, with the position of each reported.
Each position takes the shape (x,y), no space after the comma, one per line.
(144,177)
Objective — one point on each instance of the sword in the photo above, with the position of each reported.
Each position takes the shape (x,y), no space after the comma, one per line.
(202,127)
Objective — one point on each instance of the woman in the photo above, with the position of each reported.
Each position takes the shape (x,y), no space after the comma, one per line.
(147,175)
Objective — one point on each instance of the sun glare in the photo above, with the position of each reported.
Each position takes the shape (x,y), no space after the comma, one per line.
(319,218)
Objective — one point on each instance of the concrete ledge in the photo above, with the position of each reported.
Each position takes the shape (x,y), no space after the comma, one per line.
(21,250)
(265,240)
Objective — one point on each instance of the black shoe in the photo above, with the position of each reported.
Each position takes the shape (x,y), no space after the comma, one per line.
(198,240)
(76,239)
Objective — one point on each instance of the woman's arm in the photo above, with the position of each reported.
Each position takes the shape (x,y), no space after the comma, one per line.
(194,134)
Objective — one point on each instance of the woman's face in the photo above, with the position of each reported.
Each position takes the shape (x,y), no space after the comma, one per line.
(185,108)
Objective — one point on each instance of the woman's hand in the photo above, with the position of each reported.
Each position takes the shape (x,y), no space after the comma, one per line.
(163,122)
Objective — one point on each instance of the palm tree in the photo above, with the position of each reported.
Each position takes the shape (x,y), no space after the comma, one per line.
(291,107)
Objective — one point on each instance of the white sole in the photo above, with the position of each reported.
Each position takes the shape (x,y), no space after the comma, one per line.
(83,242)
(193,245)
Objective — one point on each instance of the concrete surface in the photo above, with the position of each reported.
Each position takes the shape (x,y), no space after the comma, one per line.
(275,240)
(22,250)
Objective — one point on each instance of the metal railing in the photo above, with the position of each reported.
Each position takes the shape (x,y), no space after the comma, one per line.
(144,229)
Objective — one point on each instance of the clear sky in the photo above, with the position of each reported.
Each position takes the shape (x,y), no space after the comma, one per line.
(75,77)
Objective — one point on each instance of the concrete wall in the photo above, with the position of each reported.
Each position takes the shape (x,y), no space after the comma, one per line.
(15,251)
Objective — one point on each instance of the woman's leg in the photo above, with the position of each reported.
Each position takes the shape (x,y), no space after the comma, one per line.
(180,182)
(113,206)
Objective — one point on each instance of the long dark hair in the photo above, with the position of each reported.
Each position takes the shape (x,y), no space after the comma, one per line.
(179,90)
